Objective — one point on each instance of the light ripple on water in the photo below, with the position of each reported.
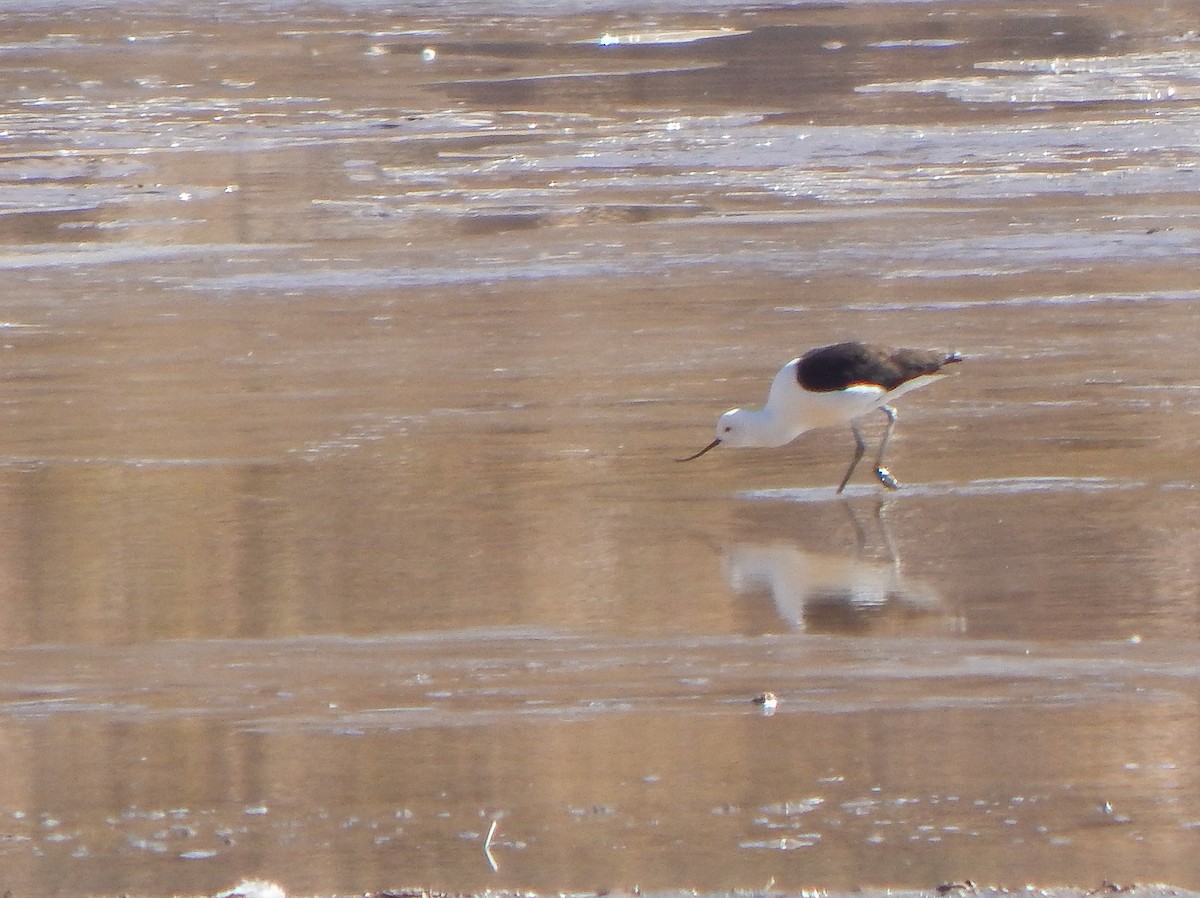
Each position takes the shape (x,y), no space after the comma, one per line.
(1138,77)
(1082,88)
(1004,486)
(1064,299)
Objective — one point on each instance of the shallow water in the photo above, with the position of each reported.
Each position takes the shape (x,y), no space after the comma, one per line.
(344,386)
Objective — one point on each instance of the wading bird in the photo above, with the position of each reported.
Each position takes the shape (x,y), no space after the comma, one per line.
(829,386)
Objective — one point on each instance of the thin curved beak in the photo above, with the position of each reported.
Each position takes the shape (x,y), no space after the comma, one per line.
(713,445)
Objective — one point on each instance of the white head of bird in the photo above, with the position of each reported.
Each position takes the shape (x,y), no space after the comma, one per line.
(755,428)
(741,427)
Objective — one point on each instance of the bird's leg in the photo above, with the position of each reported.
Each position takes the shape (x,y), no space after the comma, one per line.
(859,448)
(884,475)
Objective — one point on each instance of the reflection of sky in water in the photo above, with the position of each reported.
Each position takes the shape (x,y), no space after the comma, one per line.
(847,162)
(1142,77)
(972,255)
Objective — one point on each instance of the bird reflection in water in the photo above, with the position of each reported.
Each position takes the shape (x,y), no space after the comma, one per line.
(858,594)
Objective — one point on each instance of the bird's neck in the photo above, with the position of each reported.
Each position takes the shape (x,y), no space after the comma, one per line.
(769,429)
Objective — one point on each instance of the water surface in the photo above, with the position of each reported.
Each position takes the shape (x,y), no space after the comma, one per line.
(348,352)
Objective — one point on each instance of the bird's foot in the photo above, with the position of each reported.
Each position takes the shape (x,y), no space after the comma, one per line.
(886,478)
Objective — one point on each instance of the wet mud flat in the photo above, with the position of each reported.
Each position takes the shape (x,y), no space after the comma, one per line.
(950,888)
(348,351)
(957,888)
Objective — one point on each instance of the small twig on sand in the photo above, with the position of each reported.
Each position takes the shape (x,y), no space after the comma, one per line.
(487,848)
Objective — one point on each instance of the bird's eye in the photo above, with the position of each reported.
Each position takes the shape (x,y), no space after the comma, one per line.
(728,428)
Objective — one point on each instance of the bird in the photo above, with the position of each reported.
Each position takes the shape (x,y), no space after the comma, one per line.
(828,386)
(769,702)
